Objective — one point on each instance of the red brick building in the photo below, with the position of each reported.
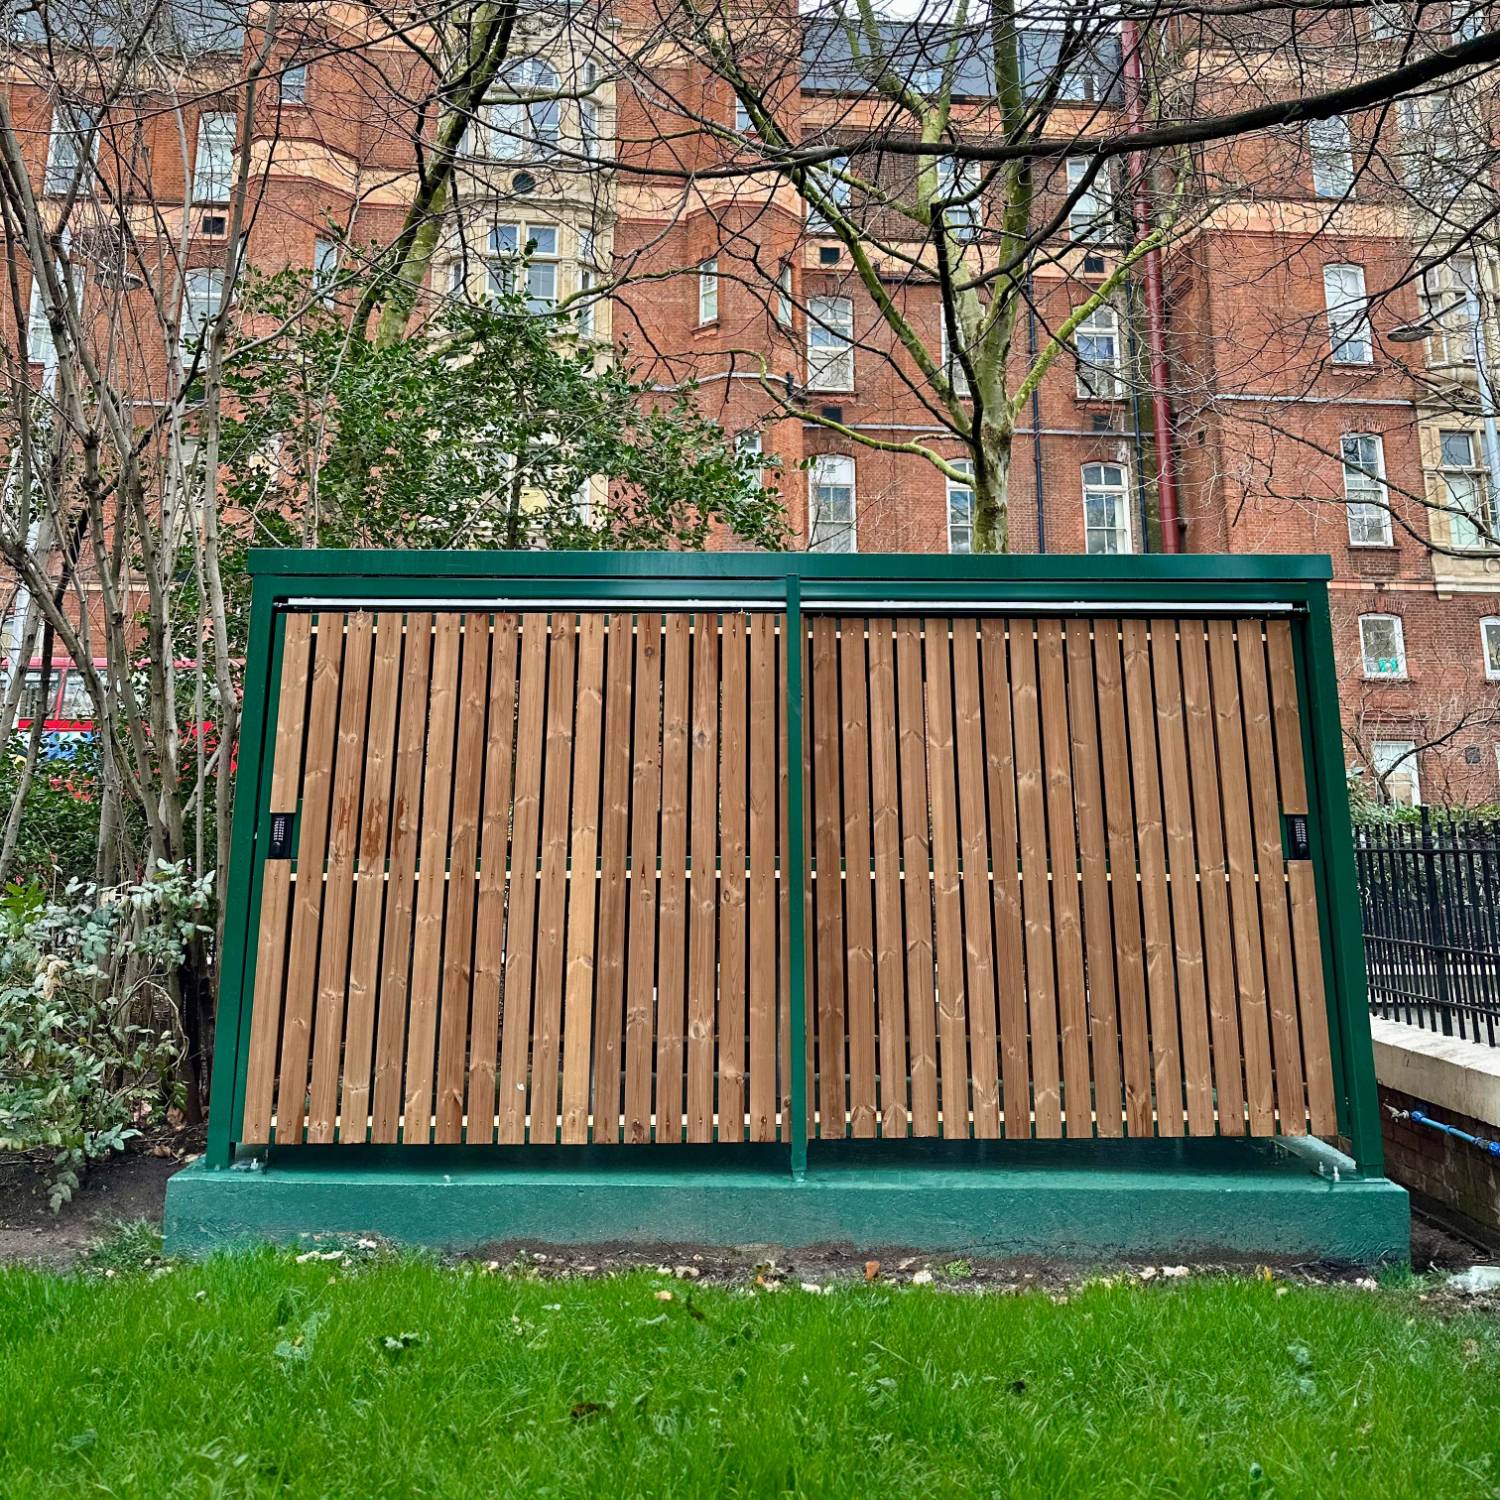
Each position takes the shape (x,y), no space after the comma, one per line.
(1281,414)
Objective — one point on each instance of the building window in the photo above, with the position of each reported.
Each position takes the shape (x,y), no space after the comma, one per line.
(784,294)
(1489,640)
(1097,340)
(1332,157)
(1396,761)
(830,493)
(535,246)
(961,508)
(525,125)
(1106,509)
(829,181)
(742,121)
(1468,22)
(1387,21)
(1366,500)
(830,344)
(1473,517)
(213,165)
(1438,159)
(1087,219)
(586,306)
(1383,645)
(1348,314)
(325,267)
(72,149)
(1446,305)
(294,85)
(953,368)
(960,180)
(41,348)
(588,125)
(202,296)
(708,291)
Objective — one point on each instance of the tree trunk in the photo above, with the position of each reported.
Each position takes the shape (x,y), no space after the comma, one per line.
(992,489)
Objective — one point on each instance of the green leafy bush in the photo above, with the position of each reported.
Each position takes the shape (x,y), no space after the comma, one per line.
(88,1030)
(60,827)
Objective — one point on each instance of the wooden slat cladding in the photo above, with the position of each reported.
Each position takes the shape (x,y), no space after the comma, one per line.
(1050,891)
(535,890)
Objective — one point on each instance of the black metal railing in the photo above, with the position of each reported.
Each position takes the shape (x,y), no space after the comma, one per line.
(1430,893)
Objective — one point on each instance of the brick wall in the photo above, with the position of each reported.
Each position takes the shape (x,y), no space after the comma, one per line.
(1449,1177)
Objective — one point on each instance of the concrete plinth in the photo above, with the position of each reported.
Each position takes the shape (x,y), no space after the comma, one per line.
(1091,1201)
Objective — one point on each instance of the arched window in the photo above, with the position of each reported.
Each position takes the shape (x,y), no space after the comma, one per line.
(1106,509)
(524,122)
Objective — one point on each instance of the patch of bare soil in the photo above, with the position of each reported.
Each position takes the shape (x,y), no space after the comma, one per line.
(121,1189)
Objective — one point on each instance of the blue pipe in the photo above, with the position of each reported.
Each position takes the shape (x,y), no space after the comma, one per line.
(1417,1117)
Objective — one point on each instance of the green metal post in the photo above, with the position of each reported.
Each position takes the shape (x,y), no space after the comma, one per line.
(796,879)
(235,986)
(1342,929)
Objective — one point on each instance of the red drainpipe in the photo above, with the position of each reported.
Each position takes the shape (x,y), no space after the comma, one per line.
(1156,320)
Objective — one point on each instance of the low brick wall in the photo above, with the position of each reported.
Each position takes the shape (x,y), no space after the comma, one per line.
(1459,1084)
(1446,1176)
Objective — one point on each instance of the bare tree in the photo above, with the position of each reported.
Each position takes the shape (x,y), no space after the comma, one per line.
(1010,191)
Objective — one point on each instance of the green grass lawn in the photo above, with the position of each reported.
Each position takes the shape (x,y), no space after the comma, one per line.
(260,1376)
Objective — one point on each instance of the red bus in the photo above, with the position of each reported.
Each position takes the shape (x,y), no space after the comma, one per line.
(66,710)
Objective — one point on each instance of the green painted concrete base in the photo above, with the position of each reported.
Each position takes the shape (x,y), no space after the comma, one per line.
(1096,1201)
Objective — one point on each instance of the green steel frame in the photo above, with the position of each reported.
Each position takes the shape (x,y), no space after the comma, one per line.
(799,584)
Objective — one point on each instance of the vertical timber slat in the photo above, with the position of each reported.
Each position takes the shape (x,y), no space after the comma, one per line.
(307,905)
(858,897)
(275,902)
(338,883)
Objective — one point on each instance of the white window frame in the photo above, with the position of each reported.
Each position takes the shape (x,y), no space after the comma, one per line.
(838,190)
(1434,146)
(520,129)
(831,471)
(830,343)
(1446,305)
(294,84)
(325,267)
(1331,148)
(1397,759)
(1370,662)
(1387,21)
(1463,532)
(72,138)
(509,240)
(1111,481)
(213,160)
(1366,498)
(708,291)
(1105,383)
(955,178)
(1350,339)
(1471,22)
(1489,646)
(41,347)
(784,294)
(587,304)
(743,124)
(1088,223)
(202,298)
(588,126)
(958,377)
(961,533)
